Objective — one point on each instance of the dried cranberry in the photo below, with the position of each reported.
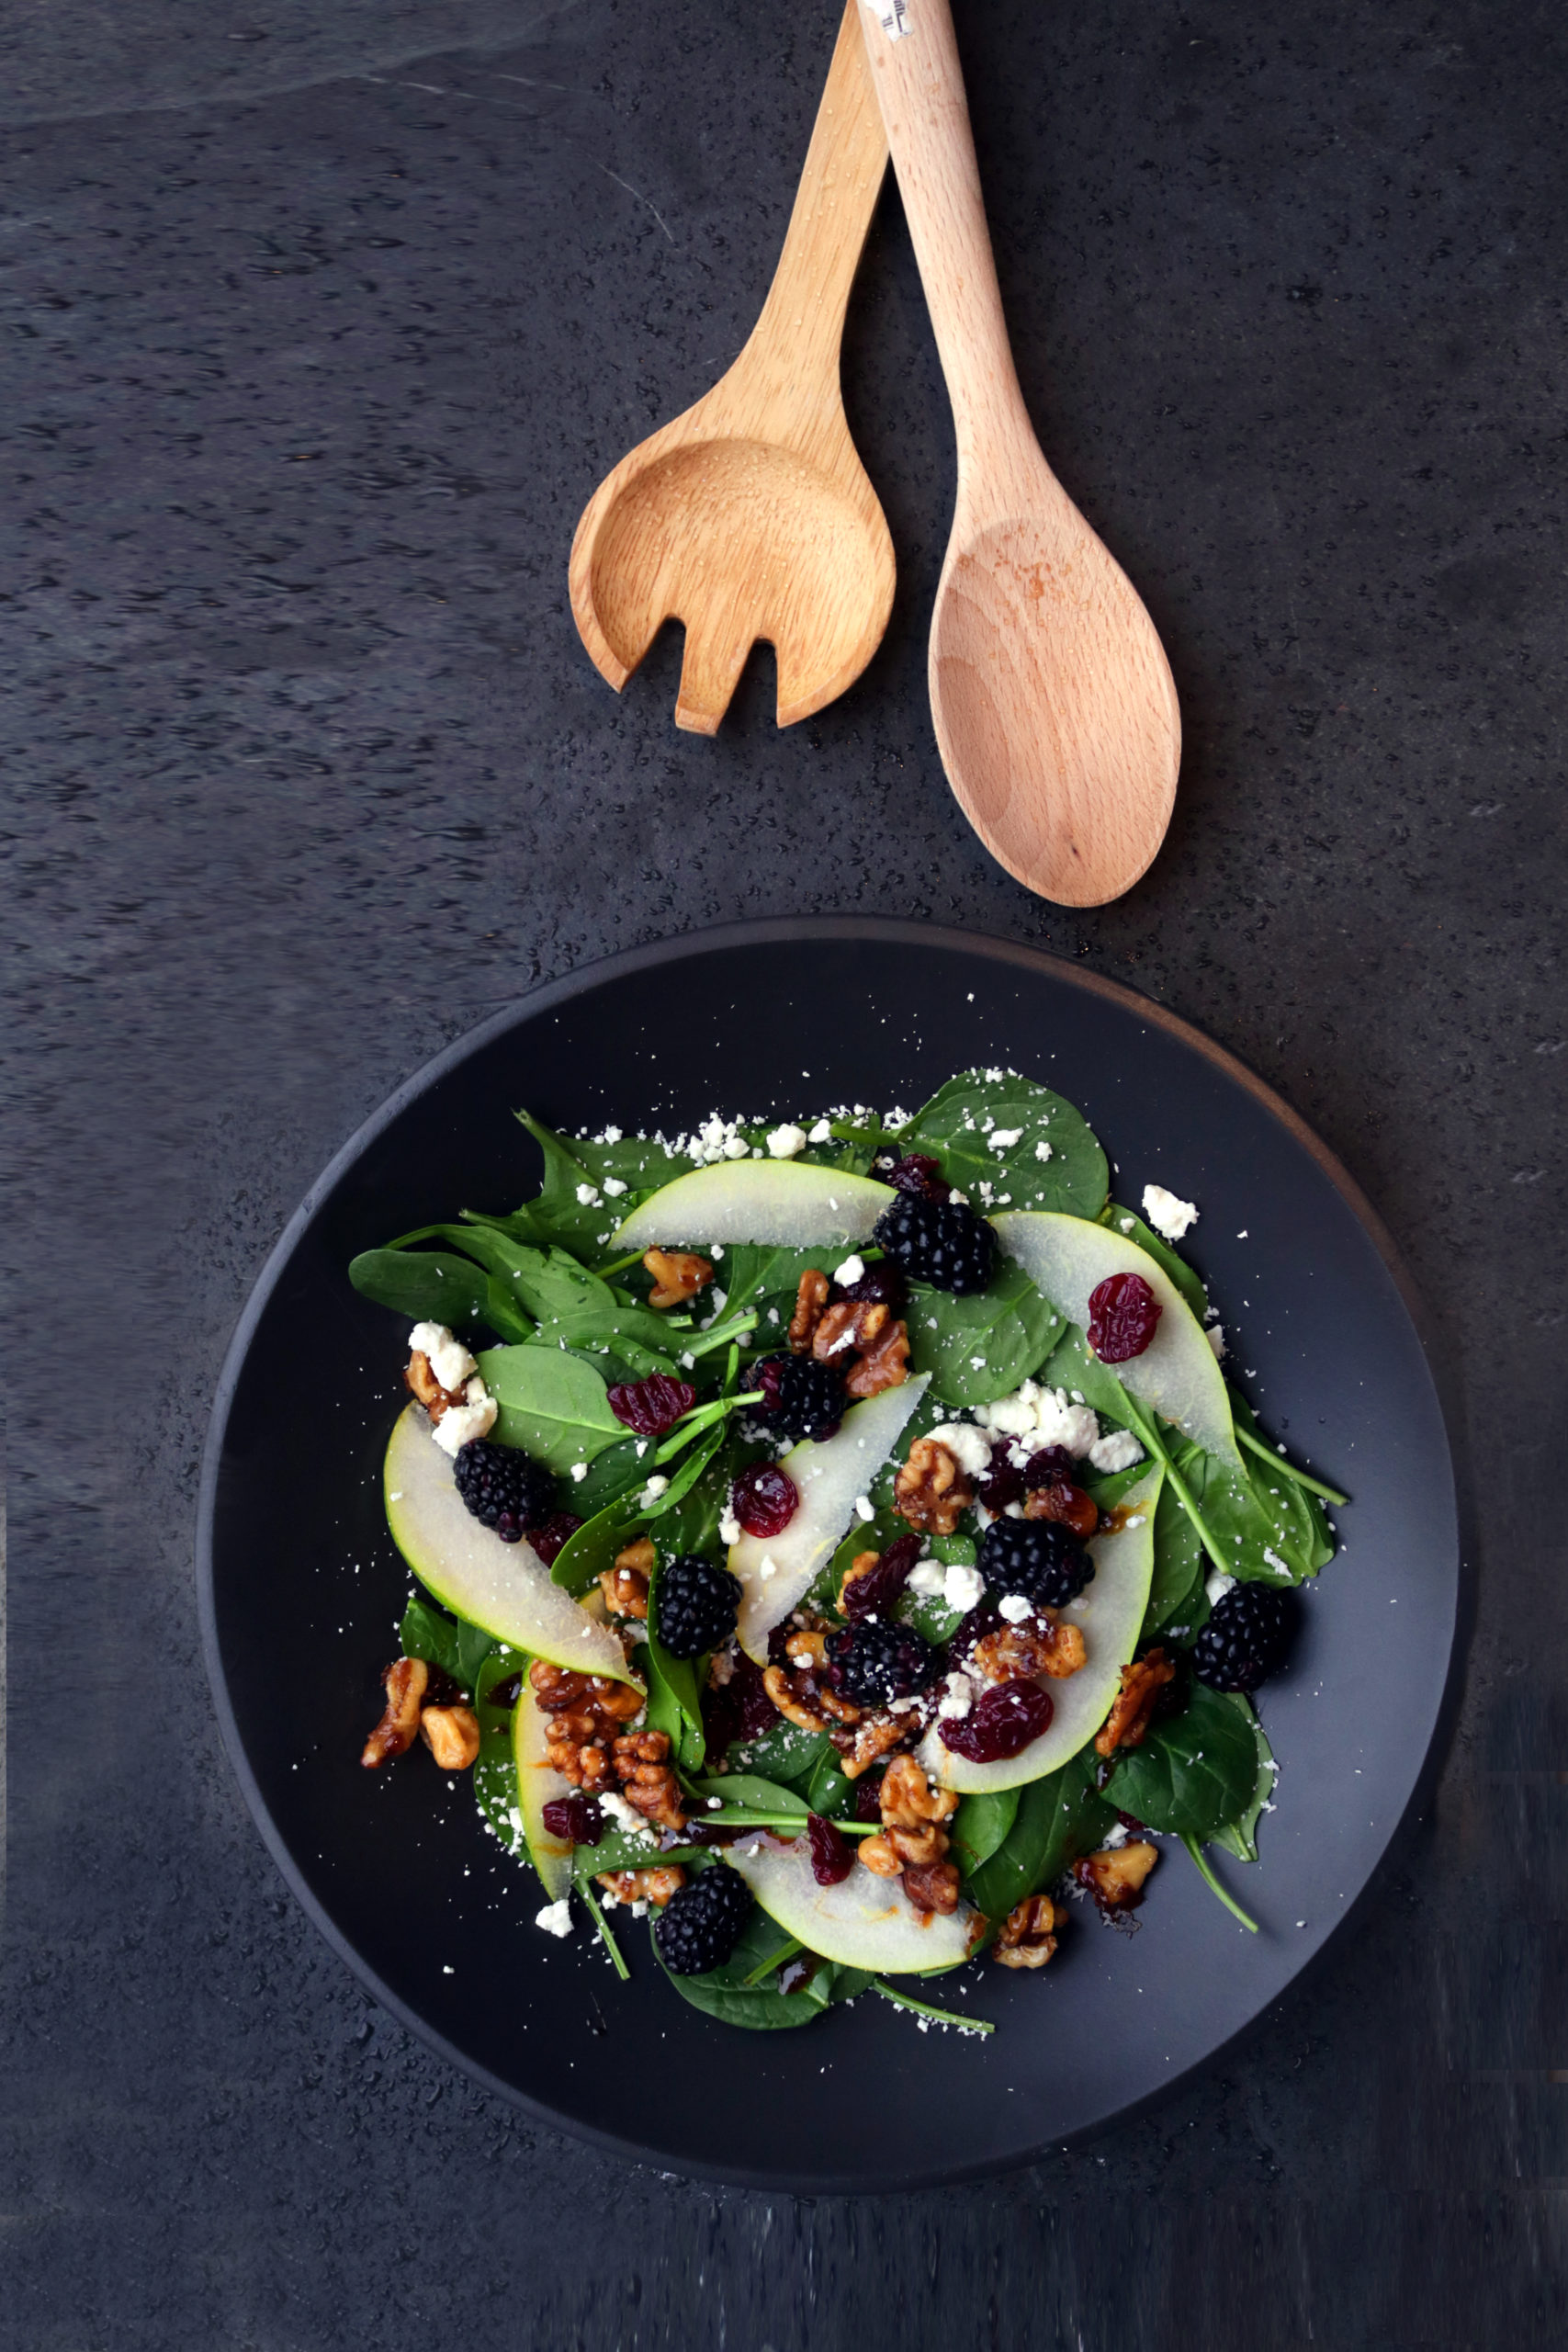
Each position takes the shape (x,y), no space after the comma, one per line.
(880,1286)
(917,1173)
(1068,1504)
(1002,1722)
(766,1499)
(1130,1822)
(1124,1314)
(504,1694)
(878,1588)
(868,1798)
(1052,1463)
(1001,1485)
(577,1819)
(738,1709)
(552,1540)
(778,1653)
(796,1973)
(764,1377)
(652,1406)
(832,1856)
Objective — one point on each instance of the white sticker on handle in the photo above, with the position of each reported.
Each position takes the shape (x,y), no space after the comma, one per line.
(895,18)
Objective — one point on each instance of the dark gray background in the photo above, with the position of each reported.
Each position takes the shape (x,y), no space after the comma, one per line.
(318,337)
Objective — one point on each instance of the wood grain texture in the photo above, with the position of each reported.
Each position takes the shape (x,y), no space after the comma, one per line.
(751,516)
(1054,709)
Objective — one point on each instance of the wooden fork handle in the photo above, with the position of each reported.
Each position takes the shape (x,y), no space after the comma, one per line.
(803,319)
(919,87)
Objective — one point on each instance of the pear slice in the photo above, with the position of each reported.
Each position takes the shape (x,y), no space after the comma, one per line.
(504,1588)
(830,1475)
(1110,1613)
(1066,1258)
(778,1200)
(538,1785)
(863,1922)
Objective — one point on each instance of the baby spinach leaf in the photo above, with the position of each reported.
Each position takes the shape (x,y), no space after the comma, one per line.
(685,1481)
(426,1285)
(829,1786)
(614,1476)
(785,1753)
(754,1272)
(624,1849)
(980,1826)
(1073,1366)
(1194,1772)
(553,1405)
(674,1705)
(641,1163)
(690,1513)
(495,1766)
(724,1993)
(962,1119)
(557,1214)
(1181,1565)
(583,1558)
(1240,1837)
(979,1348)
(1058,1818)
(757,1794)
(1128,1222)
(457,1648)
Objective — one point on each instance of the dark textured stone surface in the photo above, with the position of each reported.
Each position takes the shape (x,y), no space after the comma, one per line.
(318,343)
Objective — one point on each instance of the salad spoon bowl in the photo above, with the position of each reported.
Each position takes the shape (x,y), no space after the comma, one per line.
(751,516)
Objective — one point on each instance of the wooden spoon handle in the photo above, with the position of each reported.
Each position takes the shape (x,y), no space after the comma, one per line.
(802,323)
(920,87)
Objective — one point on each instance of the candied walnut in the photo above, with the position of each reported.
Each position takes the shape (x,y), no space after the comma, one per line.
(1017,1652)
(422,1380)
(873,1737)
(585,1713)
(1115,1875)
(1066,1504)
(793,1707)
(796,1691)
(405,1682)
(860,1565)
(555,1686)
(678,1275)
(452,1736)
(879,1857)
(809,1300)
(808,1647)
(933,1888)
(931,1490)
(625,1585)
(885,1363)
(908,1798)
(1026,1937)
(648,1779)
(916,1849)
(846,1328)
(655,1886)
(1128,1722)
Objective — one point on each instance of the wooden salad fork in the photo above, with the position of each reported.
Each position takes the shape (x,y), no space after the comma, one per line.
(751,516)
(1055,713)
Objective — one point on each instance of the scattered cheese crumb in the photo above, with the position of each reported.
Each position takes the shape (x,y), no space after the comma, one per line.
(1168,1212)
(785,1141)
(651,1492)
(865,1508)
(1117,1452)
(821,1133)
(589,1196)
(449,1360)
(1015,1608)
(614,1186)
(579,1472)
(956,1699)
(1215,1335)
(850,1271)
(969,1446)
(1004,1138)
(556,1917)
(1218,1585)
(1042,1151)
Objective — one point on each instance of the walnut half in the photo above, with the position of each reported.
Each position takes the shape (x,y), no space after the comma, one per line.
(1115,1875)
(405,1681)
(452,1736)
(931,1490)
(1127,1724)
(678,1275)
(1026,1937)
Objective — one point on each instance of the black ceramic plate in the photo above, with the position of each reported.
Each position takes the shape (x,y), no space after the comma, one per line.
(777,1018)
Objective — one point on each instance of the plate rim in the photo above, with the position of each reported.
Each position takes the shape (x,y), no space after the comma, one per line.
(716,939)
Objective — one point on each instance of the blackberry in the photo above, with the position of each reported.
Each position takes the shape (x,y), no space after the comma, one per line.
(700,1925)
(874,1665)
(802,1398)
(1036,1557)
(503,1488)
(696,1603)
(1244,1640)
(941,1242)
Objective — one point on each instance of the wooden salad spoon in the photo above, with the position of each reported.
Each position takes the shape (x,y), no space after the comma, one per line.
(1055,713)
(751,516)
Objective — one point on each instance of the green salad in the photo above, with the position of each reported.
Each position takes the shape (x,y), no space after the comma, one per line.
(837,1545)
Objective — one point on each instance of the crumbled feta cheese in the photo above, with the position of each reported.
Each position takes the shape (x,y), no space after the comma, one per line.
(1169,1215)
(1218,1585)
(961,1198)
(651,1492)
(850,1271)
(865,1509)
(772,1314)
(448,1359)
(1117,1452)
(1037,1417)
(614,1186)
(1042,1151)
(956,1700)
(962,1586)
(626,1817)
(1215,1335)
(589,1196)
(821,1133)
(928,1579)
(460,1424)
(1004,1138)
(729,1529)
(785,1141)
(556,1917)
(969,1446)
(767,1569)
(1116,1835)
(1015,1607)
(579,1472)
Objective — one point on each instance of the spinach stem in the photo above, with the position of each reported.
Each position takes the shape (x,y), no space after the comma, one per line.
(1277,1462)
(774,1960)
(751,1817)
(722,1335)
(1205,1872)
(694,1423)
(1179,1486)
(606,1939)
(924,2009)
(620,1266)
